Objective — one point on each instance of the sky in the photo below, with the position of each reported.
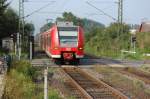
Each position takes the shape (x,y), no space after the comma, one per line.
(134,11)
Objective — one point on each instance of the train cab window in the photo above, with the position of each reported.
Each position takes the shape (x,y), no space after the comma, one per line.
(68,36)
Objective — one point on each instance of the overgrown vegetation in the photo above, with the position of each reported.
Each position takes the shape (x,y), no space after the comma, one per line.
(133,88)
(146,68)
(107,41)
(20,84)
(143,42)
(110,41)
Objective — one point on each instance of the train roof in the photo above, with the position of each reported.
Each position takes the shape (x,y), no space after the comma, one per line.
(65,24)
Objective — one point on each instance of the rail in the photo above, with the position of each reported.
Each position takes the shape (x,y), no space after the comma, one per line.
(89,86)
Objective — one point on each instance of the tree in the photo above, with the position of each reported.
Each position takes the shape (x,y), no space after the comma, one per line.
(9,20)
(29,29)
(28,32)
(3,6)
(87,24)
(8,24)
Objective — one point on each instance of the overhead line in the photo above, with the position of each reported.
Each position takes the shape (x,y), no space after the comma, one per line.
(102,11)
(103,2)
(38,1)
(51,12)
(90,14)
(38,10)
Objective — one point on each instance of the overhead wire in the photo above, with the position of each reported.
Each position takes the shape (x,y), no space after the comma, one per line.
(39,9)
(101,11)
(102,1)
(50,12)
(37,1)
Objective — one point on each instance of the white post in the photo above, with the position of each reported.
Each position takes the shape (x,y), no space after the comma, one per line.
(134,46)
(45,83)
(30,50)
(15,44)
(18,46)
(131,43)
(19,53)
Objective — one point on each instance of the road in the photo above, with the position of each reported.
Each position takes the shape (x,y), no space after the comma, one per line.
(112,62)
(89,62)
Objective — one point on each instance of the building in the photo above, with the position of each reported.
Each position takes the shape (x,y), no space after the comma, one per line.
(7,43)
(145,27)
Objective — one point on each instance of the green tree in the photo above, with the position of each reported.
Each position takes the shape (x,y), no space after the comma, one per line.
(3,6)
(9,20)
(8,23)
(108,41)
(143,41)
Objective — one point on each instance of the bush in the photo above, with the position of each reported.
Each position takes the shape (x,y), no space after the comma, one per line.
(24,67)
(20,85)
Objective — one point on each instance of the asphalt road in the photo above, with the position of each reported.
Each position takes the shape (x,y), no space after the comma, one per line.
(89,62)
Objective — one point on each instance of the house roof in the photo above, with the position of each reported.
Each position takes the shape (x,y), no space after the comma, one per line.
(145,27)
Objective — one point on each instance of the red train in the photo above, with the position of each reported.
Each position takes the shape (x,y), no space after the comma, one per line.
(64,42)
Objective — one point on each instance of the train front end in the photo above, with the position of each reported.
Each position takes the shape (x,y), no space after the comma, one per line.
(71,42)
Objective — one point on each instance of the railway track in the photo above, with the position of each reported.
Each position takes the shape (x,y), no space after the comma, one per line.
(133,72)
(84,86)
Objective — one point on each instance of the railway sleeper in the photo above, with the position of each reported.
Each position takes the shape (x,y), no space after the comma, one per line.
(94,87)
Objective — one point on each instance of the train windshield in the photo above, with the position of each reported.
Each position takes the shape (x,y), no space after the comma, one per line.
(68,36)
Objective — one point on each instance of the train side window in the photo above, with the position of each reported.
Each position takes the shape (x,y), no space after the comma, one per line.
(41,41)
(49,40)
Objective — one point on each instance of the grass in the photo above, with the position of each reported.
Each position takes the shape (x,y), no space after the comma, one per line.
(146,68)
(133,87)
(116,53)
(20,84)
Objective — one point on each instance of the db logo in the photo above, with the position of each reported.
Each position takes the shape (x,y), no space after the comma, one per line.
(68,49)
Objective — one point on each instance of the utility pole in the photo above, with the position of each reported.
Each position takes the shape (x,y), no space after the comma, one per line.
(21,27)
(120,20)
(120,17)
(120,11)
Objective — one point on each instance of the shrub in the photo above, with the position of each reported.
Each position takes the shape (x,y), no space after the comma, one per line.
(20,85)
(24,67)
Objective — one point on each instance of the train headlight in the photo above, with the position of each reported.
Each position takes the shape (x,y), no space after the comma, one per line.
(55,48)
(80,48)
